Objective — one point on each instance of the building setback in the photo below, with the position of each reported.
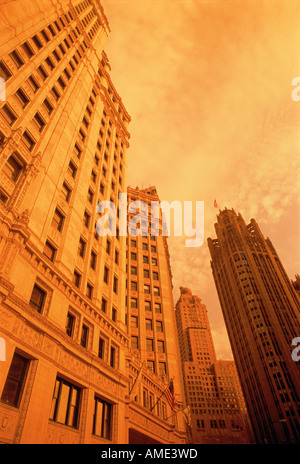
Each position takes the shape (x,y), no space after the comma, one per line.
(261,312)
(68,367)
(212,387)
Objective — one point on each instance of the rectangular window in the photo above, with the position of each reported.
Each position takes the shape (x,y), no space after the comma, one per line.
(93,261)
(37,42)
(70,325)
(113,357)
(81,247)
(104,305)
(77,279)
(149,344)
(157,307)
(22,97)
(106,274)
(134,342)
(148,306)
(147,289)
(17,59)
(12,168)
(133,270)
(15,380)
(72,170)
(133,302)
(146,273)
(39,121)
(4,71)
(28,140)
(115,285)
(134,322)
(86,219)
(66,191)
(84,336)
(156,291)
(37,298)
(101,348)
(58,220)
(48,106)
(133,285)
(102,419)
(160,346)
(49,251)
(33,84)
(159,326)
(42,72)
(9,114)
(65,403)
(27,49)
(89,291)
(148,324)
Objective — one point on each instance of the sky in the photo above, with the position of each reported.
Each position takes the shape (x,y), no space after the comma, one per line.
(208,85)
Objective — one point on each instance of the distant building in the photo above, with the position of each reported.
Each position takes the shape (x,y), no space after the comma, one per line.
(212,387)
(261,312)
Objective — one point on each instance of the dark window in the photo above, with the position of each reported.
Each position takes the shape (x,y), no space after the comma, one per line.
(65,403)
(37,298)
(89,290)
(27,49)
(93,260)
(134,342)
(9,114)
(104,305)
(58,220)
(4,71)
(28,140)
(77,279)
(15,380)
(102,419)
(39,121)
(101,349)
(66,191)
(17,59)
(70,325)
(33,83)
(84,336)
(22,97)
(12,168)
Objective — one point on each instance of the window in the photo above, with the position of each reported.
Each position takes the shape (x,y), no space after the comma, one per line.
(134,342)
(93,261)
(133,256)
(9,114)
(159,326)
(149,344)
(133,270)
(145,259)
(160,346)
(151,365)
(55,93)
(86,219)
(65,403)
(50,63)
(49,251)
(157,307)
(162,368)
(66,191)
(4,71)
(114,314)
(133,285)
(104,305)
(37,298)
(22,97)
(39,121)
(70,324)
(27,49)
(148,324)
(147,305)
(37,42)
(42,72)
(155,275)
(58,220)
(81,248)
(84,336)
(33,84)
(146,273)
(89,291)
(133,302)
(17,59)
(72,170)
(113,356)
(134,322)
(101,348)
(117,254)
(115,285)
(13,168)
(77,279)
(154,261)
(102,419)
(153,249)
(147,289)
(90,196)
(28,140)
(106,274)
(156,291)
(108,246)
(15,380)
(145,246)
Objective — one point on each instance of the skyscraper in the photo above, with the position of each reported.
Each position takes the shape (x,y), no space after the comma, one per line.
(63,136)
(212,387)
(261,312)
(150,309)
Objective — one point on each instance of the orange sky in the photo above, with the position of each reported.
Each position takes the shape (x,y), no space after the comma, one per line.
(208,87)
